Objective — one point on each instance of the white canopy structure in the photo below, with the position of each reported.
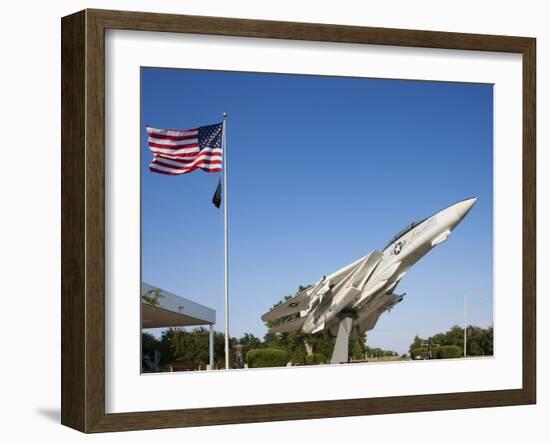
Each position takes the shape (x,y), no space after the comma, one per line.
(160,308)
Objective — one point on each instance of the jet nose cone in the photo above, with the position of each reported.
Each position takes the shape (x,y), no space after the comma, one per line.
(463,207)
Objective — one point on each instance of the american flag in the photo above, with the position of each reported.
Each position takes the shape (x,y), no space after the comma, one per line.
(176,152)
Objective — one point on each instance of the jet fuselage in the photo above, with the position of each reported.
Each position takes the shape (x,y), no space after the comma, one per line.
(364,289)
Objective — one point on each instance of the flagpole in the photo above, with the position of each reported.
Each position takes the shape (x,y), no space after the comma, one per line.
(225,248)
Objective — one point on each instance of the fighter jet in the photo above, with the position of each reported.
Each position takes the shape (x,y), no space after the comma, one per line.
(354,297)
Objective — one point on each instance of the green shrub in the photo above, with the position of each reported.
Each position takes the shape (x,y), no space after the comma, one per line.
(315,359)
(420,353)
(447,352)
(298,355)
(266,357)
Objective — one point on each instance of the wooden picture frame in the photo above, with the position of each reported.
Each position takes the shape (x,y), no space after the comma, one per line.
(83,220)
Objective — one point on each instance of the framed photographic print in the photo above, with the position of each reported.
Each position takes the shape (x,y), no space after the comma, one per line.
(269,220)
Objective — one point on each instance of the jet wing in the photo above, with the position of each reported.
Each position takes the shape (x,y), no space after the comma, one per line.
(358,272)
(358,275)
(289,326)
(362,274)
(290,307)
(344,273)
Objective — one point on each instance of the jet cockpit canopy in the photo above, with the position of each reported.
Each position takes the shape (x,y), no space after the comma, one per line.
(405,230)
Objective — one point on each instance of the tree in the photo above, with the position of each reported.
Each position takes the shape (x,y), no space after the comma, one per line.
(148,345)
(152,297)
(439,339)
(487,341)
(455,336)
(375,352)
(250,342)
(417,343)
(193,346)
(357,348)
(479,342)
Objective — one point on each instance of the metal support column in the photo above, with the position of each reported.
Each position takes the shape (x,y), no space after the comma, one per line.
(340,352)
(211,347)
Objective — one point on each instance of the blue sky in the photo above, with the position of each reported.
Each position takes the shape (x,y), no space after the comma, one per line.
(322,170)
